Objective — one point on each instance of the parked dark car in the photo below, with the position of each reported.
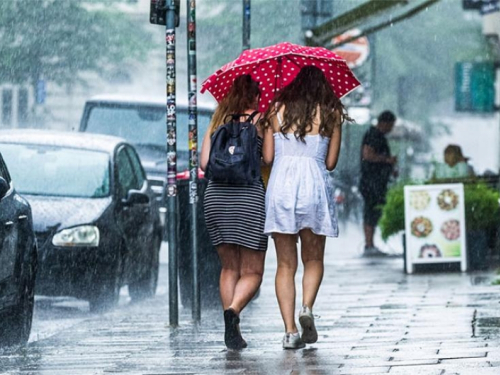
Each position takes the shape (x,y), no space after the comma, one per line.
(18,262)
(94,214)
(141,121)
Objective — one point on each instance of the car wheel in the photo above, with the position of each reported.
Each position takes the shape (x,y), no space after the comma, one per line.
(108,292)
(145,287)
(15,327)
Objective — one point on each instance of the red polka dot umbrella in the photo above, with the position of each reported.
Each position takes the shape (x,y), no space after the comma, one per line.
(276,66)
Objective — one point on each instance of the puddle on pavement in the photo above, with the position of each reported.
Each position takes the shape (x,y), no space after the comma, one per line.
(481,280)
(488,327)
(489,322)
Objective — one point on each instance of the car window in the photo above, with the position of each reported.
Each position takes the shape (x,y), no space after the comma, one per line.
(58,171)
(4,172)
(126,177)
(136,166)
(143,125)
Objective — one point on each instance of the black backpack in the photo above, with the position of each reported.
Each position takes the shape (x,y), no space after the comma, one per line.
(234,152)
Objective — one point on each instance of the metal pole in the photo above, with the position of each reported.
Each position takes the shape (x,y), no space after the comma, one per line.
(373,80)
(193,155)
(172,168)
(246,24)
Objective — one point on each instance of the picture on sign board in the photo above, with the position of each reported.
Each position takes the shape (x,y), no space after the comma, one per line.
(435,224)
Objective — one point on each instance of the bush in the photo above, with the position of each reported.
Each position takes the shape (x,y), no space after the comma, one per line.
(393,212)
(481,209)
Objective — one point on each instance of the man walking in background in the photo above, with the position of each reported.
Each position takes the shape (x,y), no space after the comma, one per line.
(377,165)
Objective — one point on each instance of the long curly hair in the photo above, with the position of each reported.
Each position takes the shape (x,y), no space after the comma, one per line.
(241,97)
(301,99)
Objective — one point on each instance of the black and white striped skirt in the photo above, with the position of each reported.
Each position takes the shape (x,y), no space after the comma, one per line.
(235,214)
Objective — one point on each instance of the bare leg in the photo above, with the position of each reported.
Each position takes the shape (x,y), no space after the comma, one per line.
(230,260)
(286,250)
(369,232)
(251,271)
(313,251)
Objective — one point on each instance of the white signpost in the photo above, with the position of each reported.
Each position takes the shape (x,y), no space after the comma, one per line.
(435,225)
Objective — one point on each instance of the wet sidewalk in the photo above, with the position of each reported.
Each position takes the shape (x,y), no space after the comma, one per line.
(373,319)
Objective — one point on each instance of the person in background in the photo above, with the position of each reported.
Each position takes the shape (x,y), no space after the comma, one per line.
(455,164)
(377,165)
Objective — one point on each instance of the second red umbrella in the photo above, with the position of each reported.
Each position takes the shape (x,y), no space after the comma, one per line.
(276,66)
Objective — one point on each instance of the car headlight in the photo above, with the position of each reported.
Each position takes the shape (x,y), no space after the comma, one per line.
(85,235)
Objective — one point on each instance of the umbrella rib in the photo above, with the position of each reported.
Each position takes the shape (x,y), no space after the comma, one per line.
(289,57)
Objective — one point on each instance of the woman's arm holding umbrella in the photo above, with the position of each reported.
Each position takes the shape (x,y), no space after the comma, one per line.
(205,151)
(332,156)
(268,147)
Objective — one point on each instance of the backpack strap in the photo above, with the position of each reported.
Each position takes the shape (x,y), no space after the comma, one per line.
(236,116)
(252,115)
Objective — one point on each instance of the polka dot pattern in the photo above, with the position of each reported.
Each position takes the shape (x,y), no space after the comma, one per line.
(276,66)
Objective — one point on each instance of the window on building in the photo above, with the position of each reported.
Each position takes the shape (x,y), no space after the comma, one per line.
(7,96)
(22,107)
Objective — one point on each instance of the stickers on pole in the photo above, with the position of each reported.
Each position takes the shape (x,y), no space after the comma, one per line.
(435,225)
(171,116)
(192,109)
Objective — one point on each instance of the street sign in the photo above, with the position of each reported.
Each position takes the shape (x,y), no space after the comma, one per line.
(472,4)
(484,6)
(475,87)
(435,225)
(354,52)
(490,6)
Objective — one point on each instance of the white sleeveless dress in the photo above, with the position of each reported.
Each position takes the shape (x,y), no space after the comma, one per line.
(300,193)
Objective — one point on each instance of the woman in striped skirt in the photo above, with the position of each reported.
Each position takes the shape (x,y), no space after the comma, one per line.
(235,217)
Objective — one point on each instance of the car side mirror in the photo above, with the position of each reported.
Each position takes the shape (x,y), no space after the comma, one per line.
(136,197)
(4,187)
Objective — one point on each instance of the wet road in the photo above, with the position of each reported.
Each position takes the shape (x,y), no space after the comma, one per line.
(55,314)
(373,319)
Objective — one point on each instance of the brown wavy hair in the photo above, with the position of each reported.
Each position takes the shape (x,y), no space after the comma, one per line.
(301,99)
(240,98)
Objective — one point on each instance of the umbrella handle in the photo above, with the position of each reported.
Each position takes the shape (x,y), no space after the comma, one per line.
(278,74)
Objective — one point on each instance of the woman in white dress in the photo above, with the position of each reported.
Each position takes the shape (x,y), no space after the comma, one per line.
(302,140)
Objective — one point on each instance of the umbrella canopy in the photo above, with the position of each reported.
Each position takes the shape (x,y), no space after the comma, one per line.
(276,66)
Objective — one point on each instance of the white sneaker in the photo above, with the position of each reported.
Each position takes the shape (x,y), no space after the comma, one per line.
(306,320)
(293,341)
(372,251)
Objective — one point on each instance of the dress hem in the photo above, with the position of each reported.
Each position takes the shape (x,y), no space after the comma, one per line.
(271,232)
(239,244)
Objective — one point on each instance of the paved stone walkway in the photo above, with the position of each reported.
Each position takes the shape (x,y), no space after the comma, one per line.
(373,319)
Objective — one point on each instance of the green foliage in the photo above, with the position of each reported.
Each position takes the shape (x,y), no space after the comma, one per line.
(393,212)
(57,39)
(481,209)
(497,280)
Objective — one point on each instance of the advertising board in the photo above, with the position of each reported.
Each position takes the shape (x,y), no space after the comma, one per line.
(435,225)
